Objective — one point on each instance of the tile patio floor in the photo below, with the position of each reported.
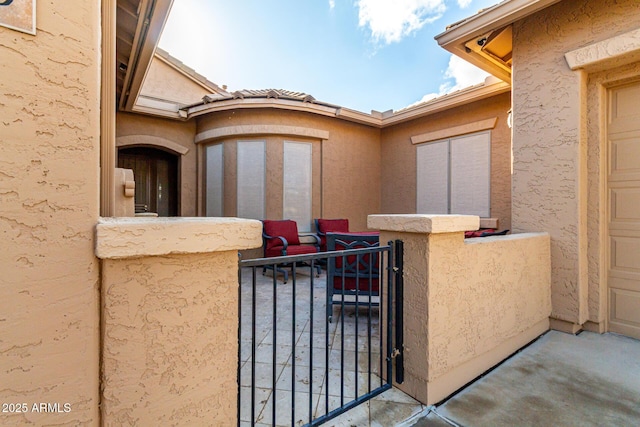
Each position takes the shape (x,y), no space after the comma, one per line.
(293,352)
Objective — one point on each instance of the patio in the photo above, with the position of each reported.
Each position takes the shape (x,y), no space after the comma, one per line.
(389,408)
(561,379)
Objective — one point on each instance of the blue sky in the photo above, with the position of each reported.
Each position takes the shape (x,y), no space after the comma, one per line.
(360,54)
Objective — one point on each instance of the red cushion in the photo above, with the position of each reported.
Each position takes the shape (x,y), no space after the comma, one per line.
(285,228)
(333,225)
(478,233)
(291,250)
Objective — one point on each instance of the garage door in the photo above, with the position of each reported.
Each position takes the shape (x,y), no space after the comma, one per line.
(624,210)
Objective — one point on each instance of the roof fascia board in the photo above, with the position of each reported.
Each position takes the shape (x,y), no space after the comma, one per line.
(452,101)
(438,105)
(248,103)
(500,15)
(148,33)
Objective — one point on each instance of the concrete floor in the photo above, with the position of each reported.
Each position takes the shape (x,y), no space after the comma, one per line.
(559,380)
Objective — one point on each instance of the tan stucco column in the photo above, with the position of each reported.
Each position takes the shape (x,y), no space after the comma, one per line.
(170,318)
(468,303)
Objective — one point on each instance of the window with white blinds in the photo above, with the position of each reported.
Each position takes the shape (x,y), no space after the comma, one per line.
(214,180)
(297,190)
(251,168)
(454,176)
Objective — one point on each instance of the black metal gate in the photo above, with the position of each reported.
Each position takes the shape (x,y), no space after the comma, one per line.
(305,358)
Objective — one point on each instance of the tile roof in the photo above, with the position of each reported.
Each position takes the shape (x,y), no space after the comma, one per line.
(266,94)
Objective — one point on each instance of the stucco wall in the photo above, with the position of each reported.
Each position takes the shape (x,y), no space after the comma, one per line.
(349,158)
(49,149)
(169,345)
(170,318)
(164,82)
(550,181)
(398,166)
(468,303)
(137,130)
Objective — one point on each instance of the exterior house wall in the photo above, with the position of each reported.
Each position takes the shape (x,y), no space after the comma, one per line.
(398,166)
(347,163)
(169,135)
(49,169)
(550,143)
(165,83)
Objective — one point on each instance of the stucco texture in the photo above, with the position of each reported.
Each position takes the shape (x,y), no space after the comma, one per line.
(347,163)
(135,130)
(472,302)
(182,90)
(550,133)
(398,166)
(482,292)
(49,149)
(170,342)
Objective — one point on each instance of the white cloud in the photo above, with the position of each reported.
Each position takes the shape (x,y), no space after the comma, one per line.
(458,75)
(464,3)
(332,4)
(390,21)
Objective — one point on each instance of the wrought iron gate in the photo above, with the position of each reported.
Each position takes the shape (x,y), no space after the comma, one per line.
(301,364)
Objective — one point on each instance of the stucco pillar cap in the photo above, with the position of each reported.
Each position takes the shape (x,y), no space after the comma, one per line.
(418,223)
(138,237)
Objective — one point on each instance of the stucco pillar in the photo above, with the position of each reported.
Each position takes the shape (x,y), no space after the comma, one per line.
(468,303)
(170,318)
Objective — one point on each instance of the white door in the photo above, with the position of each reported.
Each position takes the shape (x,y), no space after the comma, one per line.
(624,210)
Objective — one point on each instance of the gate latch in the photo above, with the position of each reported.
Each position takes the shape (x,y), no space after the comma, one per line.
(395,353)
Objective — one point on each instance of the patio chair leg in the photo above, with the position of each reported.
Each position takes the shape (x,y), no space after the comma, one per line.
(285,273)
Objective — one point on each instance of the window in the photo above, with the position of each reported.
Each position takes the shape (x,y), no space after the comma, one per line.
(251,179)
(454,176)
(214,180)
(297,189)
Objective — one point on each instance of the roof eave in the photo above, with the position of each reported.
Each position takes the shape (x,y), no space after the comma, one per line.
(493,18)
(148,33)
(464,97)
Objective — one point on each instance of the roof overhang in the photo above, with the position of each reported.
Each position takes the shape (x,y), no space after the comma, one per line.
(139,24)
(484,39)
(491,87)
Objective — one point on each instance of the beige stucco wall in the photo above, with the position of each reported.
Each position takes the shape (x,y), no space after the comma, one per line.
(169,325)
(49,150)
(347,163)
(165,82)
(170,318)
(136,130)
(552,170)
(469,303)
(398,166)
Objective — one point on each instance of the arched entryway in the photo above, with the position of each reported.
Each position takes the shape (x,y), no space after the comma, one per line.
(156,175)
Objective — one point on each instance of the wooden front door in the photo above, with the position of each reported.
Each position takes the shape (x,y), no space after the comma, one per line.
(156,176)
(624,209)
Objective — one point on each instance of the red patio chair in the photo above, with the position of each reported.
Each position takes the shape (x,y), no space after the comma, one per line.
(281,238)
(324,226)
